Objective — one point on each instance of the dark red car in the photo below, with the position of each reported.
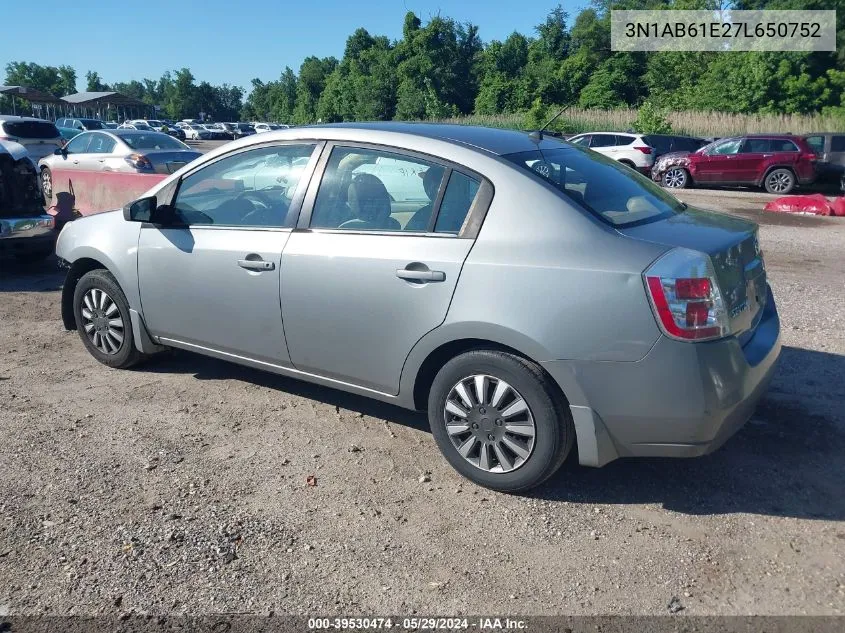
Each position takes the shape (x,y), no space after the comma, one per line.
(773,161)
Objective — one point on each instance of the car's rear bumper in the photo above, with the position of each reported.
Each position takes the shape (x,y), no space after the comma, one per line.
(681,400)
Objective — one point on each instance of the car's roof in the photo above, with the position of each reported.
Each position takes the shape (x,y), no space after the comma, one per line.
(611,133)
(494,140)
(13,117)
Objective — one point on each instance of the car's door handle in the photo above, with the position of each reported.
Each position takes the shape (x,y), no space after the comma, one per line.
(256,264)
(421,275)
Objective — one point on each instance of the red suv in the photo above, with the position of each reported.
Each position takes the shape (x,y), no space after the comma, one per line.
(776,162)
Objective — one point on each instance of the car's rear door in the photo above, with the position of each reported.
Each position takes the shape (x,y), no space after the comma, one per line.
(750,162)
(365,275)
(210,281)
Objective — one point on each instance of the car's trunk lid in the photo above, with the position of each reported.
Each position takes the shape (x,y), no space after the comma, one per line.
(733,248)
(168,162)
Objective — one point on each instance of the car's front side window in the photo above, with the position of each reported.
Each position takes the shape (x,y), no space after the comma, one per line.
(374,190)
(726,147)
(78,144)
(251,188)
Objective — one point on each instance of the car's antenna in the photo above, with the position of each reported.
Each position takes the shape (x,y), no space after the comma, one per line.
(538,134)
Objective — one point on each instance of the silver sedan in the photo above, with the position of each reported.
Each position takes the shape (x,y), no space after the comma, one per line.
(530,294)
(121,150)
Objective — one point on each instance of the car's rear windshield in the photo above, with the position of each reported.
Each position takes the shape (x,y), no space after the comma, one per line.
(30,129)
(152,140)
(615,193)
(92,124)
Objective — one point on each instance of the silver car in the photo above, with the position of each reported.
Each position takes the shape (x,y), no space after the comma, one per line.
(121,150)
(530,294)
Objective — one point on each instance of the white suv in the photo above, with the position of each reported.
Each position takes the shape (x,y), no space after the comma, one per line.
(629,149)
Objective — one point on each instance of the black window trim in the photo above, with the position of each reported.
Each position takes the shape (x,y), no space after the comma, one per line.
(171,190)
(472,223)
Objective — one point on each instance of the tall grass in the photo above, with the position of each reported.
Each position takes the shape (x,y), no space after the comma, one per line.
(704,124)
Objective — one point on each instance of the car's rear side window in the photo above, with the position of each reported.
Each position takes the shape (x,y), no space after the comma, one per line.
(837,144)
(616,194)
(816,143)
(457,201)
(30,129)
(624,139)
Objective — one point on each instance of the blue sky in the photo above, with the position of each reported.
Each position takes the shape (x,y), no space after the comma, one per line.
(224,41)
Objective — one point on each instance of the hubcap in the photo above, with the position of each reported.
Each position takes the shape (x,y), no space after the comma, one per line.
(46,183)
(779,182)
(489,423)
(674,178)
(102,321)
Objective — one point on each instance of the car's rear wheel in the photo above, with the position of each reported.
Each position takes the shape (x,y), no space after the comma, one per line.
(47,185)
(102,320)
(499,421)
(676,178)
(779,181)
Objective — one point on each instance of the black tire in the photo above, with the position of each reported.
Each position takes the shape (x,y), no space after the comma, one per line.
(553,426)
(628,163)
(779,181)
(675,178)
(46,190)
(126,354)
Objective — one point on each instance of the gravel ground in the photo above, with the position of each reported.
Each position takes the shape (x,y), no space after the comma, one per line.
(180,487)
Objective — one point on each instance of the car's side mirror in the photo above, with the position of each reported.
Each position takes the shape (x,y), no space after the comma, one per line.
(60,151)
(141,210)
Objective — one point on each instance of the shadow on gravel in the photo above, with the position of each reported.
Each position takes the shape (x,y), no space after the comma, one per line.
(207,368)
(39,276)
(789,460)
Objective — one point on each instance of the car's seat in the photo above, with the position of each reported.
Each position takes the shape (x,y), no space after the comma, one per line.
(369,203)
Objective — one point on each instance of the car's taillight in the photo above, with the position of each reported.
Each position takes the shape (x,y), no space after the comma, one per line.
(812,157)
(685,296)
(139,161)
(645,149)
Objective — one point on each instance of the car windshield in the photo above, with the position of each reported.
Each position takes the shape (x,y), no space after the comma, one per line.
(154,123)
(154,140)
(615,193)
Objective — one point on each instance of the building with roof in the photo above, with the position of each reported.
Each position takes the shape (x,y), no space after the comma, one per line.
(98,104)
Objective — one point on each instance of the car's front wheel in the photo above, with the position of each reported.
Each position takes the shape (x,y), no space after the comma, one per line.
(102,320)
(676,178)
(499,421)
(47,185)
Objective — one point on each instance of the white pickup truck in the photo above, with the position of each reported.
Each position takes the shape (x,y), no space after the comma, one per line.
(26,231)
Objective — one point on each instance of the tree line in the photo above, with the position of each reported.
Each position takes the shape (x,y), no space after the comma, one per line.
(441,68)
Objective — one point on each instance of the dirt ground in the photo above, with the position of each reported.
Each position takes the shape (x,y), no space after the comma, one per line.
(180,487)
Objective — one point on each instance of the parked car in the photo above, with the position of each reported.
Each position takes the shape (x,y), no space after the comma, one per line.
(195,132)
(121,150)
(268,127)
(26,231)
(830,149)
(529,294)
(68,133)
(776,162)
(629,149)
(39,137)
(216,133)
(82,125)
(243,129)
(110,125)
(136,125)
(668,143)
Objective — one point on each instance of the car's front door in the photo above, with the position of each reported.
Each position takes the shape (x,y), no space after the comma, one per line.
(717,164)
(374,261)
(210,278)
(75,152)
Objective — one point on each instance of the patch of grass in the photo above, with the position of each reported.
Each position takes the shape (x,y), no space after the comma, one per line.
(706,124)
